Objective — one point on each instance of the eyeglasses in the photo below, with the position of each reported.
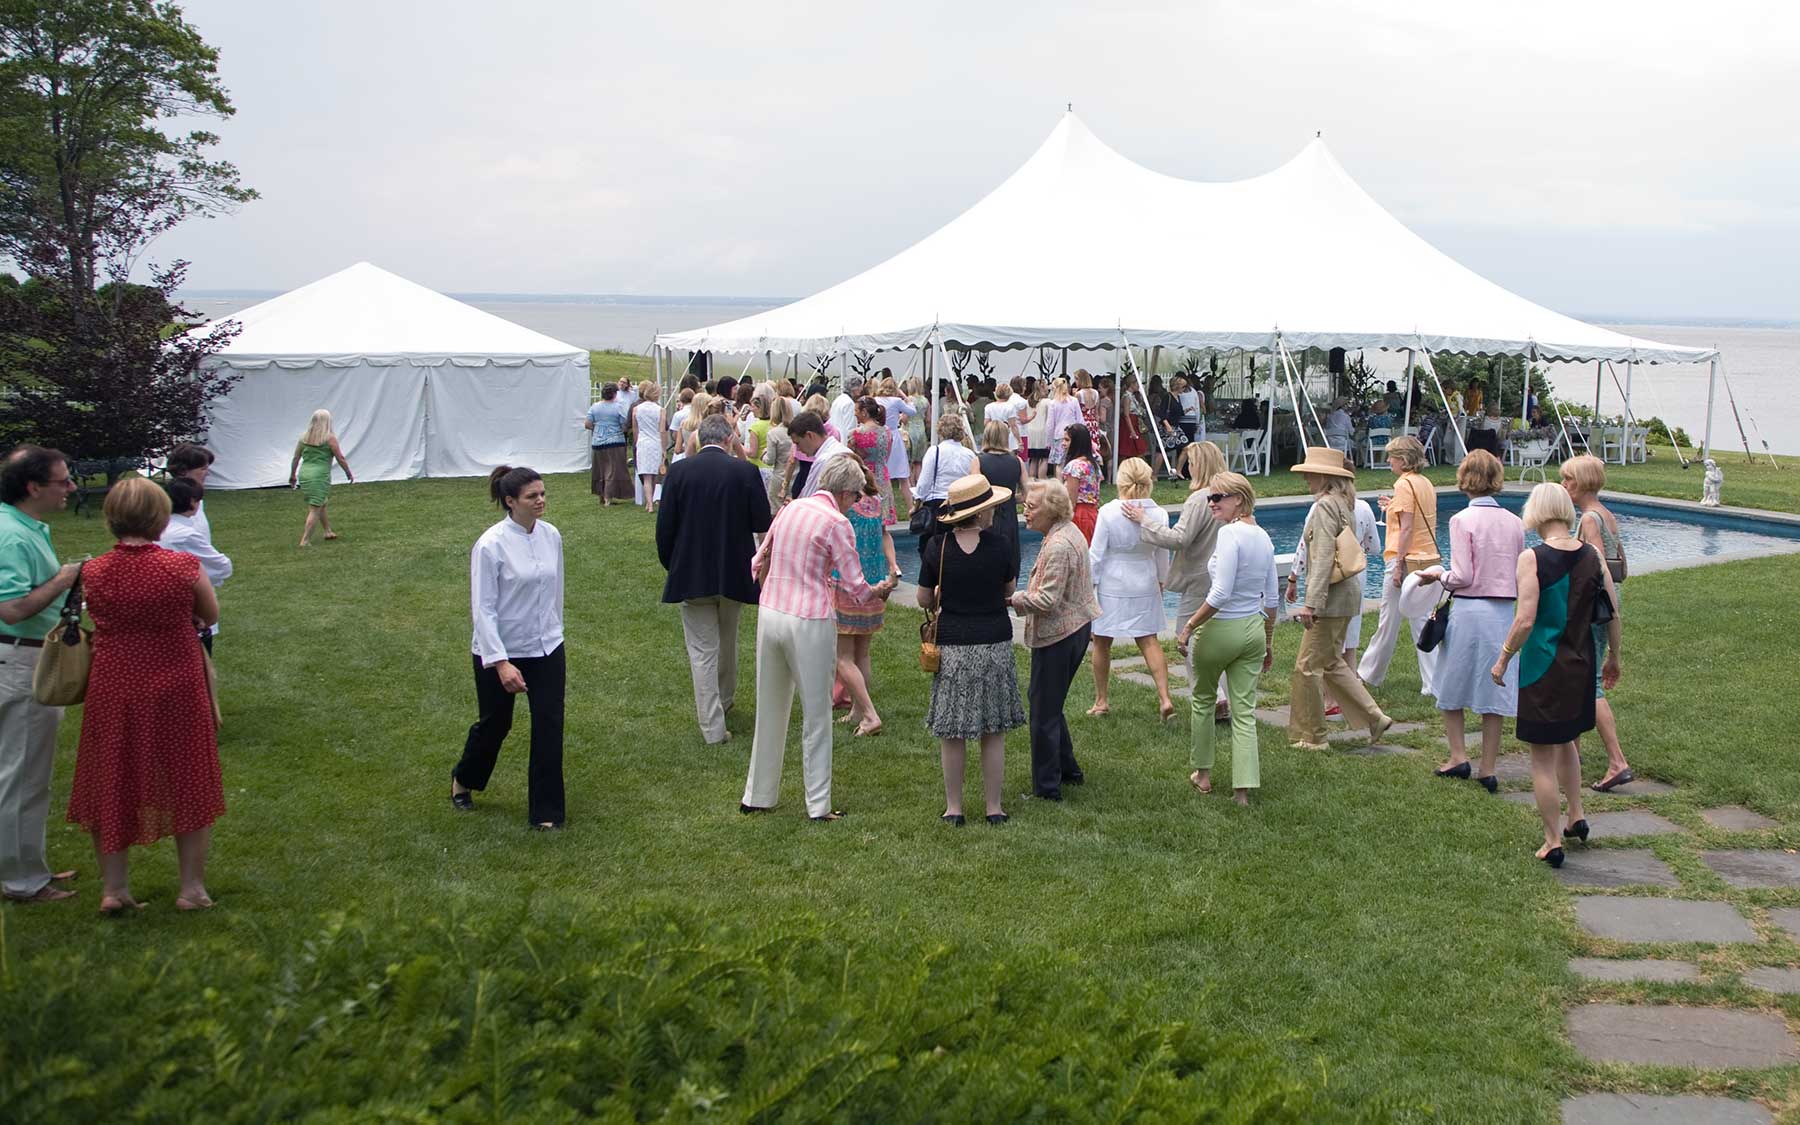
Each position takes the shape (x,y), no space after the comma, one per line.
(65,481)
(1216,497)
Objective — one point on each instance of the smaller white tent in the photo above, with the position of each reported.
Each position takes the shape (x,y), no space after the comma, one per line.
(418,385)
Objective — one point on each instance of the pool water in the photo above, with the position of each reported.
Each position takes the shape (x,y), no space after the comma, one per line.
(1652,534)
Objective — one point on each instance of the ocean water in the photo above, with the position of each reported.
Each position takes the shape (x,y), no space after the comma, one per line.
(1762,363)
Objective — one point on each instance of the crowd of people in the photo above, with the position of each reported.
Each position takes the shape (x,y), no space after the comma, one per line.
(766,498)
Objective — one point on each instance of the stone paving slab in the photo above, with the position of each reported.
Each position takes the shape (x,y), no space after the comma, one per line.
(1661,1109)
(1513,767)
(1631,822)
(1521,797)
(1773,979)
(1614,867)
(1144,679)
(1737,818)
(1278,717)
(1676,1035)
(1516,769)
(1755,867)
(1788,918)
(1661,972)
(1642,787)
(1661,919)
(1368,749)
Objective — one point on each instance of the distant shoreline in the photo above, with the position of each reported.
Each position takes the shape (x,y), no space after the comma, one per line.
(706,300)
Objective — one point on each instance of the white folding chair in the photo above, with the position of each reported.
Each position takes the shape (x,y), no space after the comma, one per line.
(1533,456)
(1375,447)
(1638,451)
(1612,442)
(1246,451)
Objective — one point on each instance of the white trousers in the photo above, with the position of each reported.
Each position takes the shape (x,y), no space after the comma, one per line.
(27,751)
(711,628)
(792,653)
(1374,666)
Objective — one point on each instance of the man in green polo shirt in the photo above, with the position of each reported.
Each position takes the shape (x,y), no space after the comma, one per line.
(33,483)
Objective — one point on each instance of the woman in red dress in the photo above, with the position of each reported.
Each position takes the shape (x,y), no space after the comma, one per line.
(148,762)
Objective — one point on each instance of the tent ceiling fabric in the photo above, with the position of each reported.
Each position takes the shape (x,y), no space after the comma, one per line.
(364,315)
(1081,243)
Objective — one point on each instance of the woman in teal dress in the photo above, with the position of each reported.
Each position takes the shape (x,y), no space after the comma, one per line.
(858,622)
(310,472)
(1564,592)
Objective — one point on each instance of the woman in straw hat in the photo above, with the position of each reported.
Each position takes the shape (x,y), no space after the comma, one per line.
(967,576)
(1327,610)
(1226,637)
(1129,573)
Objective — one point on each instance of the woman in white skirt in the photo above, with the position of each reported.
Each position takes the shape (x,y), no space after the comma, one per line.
(647,424)
(1129,574)
(1485,543)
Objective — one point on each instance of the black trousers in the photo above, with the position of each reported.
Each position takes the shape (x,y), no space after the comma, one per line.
(544,682)
(1053,669)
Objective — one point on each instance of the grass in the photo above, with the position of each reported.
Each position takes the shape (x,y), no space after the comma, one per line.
(1378,942)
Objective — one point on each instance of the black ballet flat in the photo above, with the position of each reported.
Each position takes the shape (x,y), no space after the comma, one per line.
(557,827)
(1490,783)
(1554,857)
(1460,771)
(1579,830)
(954,820)
(463,802)
(997,818)
(1076,778)
(749,810)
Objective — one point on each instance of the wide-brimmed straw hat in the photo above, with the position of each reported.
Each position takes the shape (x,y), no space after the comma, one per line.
(1324,461)
(970,495)
(1417,599)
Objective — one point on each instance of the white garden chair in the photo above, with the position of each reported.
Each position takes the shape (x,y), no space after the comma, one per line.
(1638,449)
(1612,443)
(1246,452)
(1375,448)
(1533,456)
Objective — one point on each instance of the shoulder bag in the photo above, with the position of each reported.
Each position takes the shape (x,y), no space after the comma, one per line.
(923,518)
(1614,566)
(928,631)
(1432,633)
(1348,559)
(61,676)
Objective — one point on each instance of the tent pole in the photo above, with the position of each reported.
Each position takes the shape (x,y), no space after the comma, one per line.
(1065,363)
(1431,369)
(1145,396)
(1712,387)
(1625,446)
(1118,401)
(1599,369)
(1525,391)
(1406,420)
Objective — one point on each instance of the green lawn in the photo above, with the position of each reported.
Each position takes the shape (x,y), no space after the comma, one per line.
(1366,941)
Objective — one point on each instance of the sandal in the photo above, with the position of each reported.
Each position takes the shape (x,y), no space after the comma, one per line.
(867,731)
(834,814)
(204,902)
(114,907)
(1200,786)
(45,893)
(1096,711)
(1608,784)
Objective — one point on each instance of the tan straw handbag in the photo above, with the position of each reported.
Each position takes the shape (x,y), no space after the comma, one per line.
(1348,561)
(928,646)
(61,676)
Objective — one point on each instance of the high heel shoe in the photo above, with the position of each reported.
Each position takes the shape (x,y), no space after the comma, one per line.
(954,820)
(1579,830)
(1554,857)
(1490,783)
(1461,771)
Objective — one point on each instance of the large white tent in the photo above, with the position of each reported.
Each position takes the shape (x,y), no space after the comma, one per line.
(418,385)
(1083,248)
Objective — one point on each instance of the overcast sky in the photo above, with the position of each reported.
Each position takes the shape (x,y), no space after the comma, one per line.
(1601,158)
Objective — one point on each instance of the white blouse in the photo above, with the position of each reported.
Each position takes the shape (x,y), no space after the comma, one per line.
(516,592)
(1125,565)
(1243,572)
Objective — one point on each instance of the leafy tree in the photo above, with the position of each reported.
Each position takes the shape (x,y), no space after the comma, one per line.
(92,169)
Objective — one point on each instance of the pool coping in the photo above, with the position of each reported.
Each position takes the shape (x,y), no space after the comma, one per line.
(907,594)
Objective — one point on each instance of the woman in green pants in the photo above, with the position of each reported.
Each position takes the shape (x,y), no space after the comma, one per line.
(310,471)
(1233,632)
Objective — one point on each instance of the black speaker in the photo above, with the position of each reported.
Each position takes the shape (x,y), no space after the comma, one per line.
(1336,361)
(700,364)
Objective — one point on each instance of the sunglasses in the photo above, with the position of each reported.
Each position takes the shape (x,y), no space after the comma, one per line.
(1216,497)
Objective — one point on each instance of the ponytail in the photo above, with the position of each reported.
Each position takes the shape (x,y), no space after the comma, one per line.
(506,482)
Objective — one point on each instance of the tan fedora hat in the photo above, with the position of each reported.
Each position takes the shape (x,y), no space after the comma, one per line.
(1324,461)
(969,495)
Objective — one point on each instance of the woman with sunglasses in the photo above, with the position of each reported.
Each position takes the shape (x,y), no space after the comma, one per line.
(1244,588)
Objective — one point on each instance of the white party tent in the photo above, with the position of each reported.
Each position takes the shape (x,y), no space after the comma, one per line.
(1083,248)
(418,385)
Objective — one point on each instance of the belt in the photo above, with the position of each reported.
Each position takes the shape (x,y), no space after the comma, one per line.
(22,642)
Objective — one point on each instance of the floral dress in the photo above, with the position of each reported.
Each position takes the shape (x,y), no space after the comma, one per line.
(874,444)
(1087,493)
(869,525)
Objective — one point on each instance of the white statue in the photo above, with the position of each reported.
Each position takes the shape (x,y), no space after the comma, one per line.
(1715,480)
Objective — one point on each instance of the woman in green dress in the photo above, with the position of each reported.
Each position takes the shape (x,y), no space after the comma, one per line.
(310,472)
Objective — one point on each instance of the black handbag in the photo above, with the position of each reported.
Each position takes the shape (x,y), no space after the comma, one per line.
(923,519)
(1432,635)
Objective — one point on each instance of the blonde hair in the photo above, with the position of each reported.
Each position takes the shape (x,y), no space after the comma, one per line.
(1481,473)
(819,406)
(1083,379)
(913,386)
(780,411)
(648,390)
(1002,392)
(1410,451)
(1202,460)
(1235,484)
(996,436)
(1549,503)
(1059,389)
(1586,472)
(135,506)
(318,430)
(888,388)
(696,411)
(1135,479)
(785,388)
(1053,496)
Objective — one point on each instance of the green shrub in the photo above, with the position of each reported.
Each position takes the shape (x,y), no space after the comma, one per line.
(496,1018)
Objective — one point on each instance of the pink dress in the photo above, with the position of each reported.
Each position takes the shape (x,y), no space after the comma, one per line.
(874,445)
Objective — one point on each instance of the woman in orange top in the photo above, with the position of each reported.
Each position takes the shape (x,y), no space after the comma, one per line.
(1411,546)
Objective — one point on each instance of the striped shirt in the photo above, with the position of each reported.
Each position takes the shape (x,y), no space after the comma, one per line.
(809,539)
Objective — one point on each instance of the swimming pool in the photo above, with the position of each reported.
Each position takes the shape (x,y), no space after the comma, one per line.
(1655,536)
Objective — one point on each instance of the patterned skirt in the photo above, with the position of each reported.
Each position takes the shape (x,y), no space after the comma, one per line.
(975,692)
(858,619)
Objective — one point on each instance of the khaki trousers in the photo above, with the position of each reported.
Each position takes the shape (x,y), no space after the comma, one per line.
(1321,662)
(27,751)
(711,628)
(792,654)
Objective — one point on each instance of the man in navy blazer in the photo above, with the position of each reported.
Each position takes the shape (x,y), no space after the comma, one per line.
(712,505)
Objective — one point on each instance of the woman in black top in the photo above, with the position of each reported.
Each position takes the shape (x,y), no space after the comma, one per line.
(1002,468)
(967,577)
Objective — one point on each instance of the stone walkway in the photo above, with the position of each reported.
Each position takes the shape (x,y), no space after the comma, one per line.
(1645,1032)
